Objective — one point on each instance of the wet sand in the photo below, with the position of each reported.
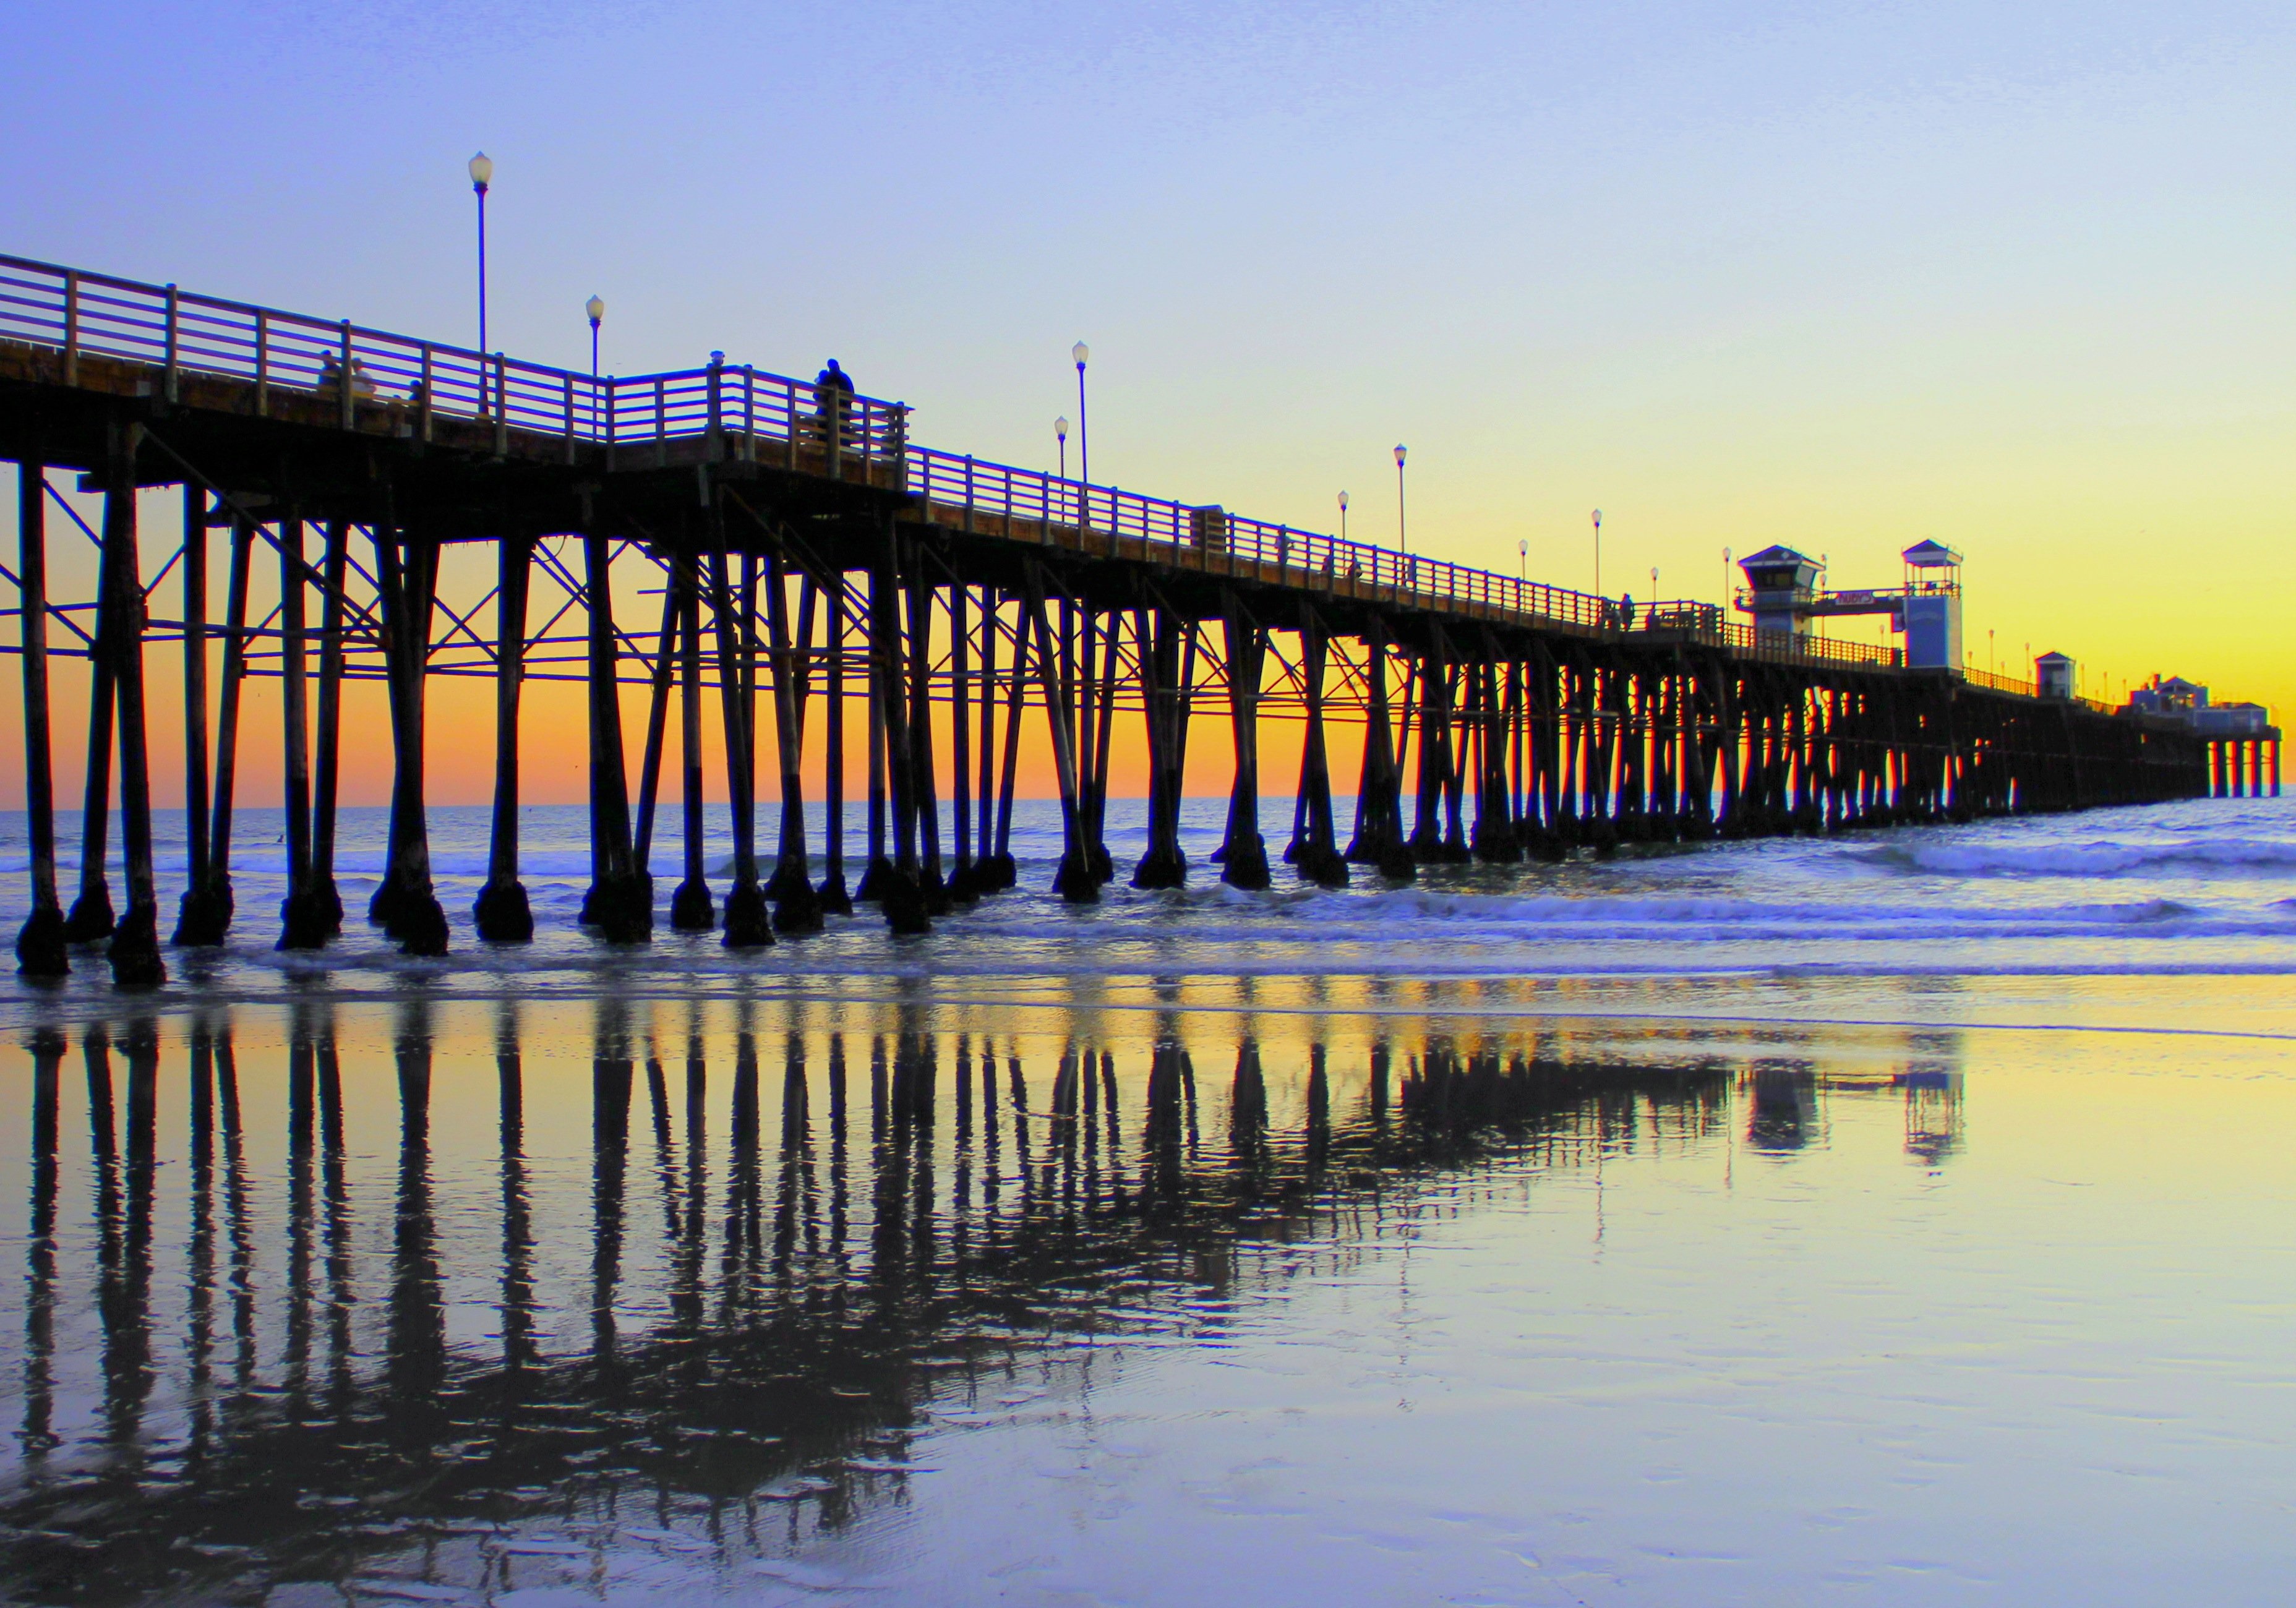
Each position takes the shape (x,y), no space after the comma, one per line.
(1240,1292)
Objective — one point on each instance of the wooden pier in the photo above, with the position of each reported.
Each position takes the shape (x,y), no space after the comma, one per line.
(825,581)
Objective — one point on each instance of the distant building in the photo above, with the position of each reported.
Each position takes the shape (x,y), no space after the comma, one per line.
(2173,696)
(2188,701)
(2053,675)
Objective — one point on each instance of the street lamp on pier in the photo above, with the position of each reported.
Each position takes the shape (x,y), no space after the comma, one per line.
(1081,353)
(1522,566)
(1598,552)
(1343,516)
(1402,526)
(596,308)
(482,178)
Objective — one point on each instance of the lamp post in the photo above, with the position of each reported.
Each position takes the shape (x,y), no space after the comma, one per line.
(1081,352)
(482,176)
(1402,526)
(596,308)
(1598,552)
(1522,560)
(1060,435)
(1343,516)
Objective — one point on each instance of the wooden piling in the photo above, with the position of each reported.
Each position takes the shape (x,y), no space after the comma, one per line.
(1164,710)
(1072,880)
(502,914)
(691,907)
(1016,693)
(922,807)
(961,879)
(1378,838)
(659,682)
(227,700)
(797,908)
(41,945)
(135,952)
(1243,852)
(192,923)
(748,924)
(327,759)
(836,898)
(619,903)
(406,568)
(988,877)
(1313,851)
(90,917)
(301,922)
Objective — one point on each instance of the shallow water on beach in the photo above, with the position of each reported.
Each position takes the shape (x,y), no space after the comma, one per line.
(1900,1217)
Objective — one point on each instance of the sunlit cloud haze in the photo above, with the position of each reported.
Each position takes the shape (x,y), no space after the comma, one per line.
(1843,276)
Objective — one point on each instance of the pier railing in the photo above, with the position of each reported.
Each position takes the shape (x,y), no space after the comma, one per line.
(370,379)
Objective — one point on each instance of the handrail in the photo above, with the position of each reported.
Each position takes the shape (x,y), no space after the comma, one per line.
(359,372)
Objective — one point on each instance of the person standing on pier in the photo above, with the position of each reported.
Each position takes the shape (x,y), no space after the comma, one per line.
(833,400)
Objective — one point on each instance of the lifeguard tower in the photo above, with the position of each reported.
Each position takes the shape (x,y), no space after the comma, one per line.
(1782,594)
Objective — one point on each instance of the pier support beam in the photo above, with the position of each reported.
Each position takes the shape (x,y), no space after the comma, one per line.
(1243,853)
(194,923)
(691,907)
(40,947)
(836,898)
(1164,674)
(1378,839)
(327,763)
(797,908)
(619,903)
(1313,851)
(134,953)
(1073,880)
(302,925)
(501,913)
(405,905)
(748,924)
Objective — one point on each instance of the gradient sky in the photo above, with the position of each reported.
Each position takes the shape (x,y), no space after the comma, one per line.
(1838,276)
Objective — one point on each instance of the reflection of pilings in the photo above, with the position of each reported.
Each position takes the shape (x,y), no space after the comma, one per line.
(103,1152)
(335,1194)
(238,1218)
(302,1089)
(519,1350)
(742,1187)
(199,1316)
(1248,1107)
(793,1189)
(610,1074)
(416,1367)
(1783,1115)
(822,1359)
(47,1049)
(685,1296)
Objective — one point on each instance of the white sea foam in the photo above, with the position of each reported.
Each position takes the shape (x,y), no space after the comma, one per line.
(2185,888)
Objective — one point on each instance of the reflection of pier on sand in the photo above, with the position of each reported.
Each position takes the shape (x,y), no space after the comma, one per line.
(337,1290)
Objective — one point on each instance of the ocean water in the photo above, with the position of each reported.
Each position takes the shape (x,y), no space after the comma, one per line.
(2035,918)
(1901,1217)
